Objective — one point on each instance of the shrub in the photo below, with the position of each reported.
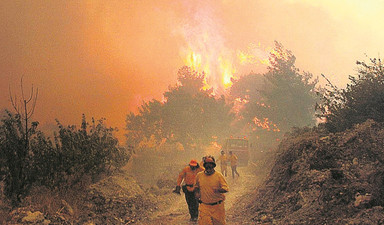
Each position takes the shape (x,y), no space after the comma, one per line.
(362,99)
(15,156)
(69,158)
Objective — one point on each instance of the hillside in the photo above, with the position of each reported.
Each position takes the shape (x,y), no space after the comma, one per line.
(324,178)
(316,178)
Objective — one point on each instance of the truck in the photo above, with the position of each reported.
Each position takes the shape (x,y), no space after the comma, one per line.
(240,147)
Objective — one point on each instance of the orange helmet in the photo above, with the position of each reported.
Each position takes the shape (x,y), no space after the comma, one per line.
(193,162)
(209,159)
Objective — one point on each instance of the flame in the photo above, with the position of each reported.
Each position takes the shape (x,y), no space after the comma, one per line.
(222,65)
(227,70)
(279,54)
(193,60)
(254,54)
(266,124)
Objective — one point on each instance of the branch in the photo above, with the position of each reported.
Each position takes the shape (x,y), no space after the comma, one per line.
(13,102)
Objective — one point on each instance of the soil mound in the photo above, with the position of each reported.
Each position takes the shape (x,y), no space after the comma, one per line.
(325,178)
(116,199)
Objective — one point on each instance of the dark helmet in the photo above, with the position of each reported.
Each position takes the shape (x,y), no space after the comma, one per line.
(209,159)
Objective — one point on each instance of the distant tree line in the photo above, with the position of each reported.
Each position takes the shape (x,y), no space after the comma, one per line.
(260,106)
(190,114)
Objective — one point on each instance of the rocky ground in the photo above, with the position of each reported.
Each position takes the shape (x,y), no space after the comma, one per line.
(322,178)
(315,178)
(175,211)
(116,199)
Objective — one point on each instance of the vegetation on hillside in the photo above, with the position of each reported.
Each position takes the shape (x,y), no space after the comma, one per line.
(260,106)
(332,173)
(62,162)
(362,99)
(190,115)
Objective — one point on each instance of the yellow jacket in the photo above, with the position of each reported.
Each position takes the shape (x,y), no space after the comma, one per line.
(223,159)
(233,159)
(208,184)
(189,176)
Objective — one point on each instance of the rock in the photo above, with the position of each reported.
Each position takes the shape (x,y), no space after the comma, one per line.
(33,217)
(67,207)
(46,222)
(362,200)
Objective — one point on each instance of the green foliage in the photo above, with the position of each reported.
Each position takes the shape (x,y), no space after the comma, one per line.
(146,123)
(74,154)
(289,94)
(362,99)
(278,100)
(15,156)
(190,115)
(90,150)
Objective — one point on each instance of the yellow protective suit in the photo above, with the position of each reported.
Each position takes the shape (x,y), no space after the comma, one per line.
(233,159)
(223,159)
(211,210)
(188,175)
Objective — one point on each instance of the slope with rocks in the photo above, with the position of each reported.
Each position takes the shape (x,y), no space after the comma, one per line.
(324,178)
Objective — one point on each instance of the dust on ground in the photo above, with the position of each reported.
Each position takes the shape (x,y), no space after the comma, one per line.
(175,210)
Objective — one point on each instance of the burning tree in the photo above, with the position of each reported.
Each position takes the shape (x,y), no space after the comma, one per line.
(282,98)
(190,114)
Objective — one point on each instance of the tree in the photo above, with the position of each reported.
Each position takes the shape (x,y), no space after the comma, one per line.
(15,132)
(148,122)
(193,114)
(362,99)
(23,110)
(15,157)
(290,95)
(190,114)
(274,102)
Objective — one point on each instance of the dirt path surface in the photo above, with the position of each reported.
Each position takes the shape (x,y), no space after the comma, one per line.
(177,211)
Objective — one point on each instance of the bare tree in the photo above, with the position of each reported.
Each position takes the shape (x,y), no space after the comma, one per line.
(22,108)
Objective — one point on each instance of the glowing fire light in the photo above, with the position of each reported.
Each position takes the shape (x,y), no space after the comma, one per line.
(193,60)
(227,71)
(222,65)
(266,124)
(255,54)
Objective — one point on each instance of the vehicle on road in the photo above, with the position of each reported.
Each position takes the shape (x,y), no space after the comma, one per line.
(240,147)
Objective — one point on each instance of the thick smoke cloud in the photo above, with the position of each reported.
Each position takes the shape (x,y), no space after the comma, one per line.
(103,58)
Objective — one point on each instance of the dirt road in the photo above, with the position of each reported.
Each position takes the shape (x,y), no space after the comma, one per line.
(176,213)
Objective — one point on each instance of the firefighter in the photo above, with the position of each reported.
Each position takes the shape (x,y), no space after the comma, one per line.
(233,159)
(188,175)
(202,162)
(210,187)
(223,162)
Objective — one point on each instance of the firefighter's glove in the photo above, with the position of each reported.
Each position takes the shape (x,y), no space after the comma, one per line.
(177,190)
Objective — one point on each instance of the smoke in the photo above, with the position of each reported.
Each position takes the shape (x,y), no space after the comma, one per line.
(103,58)
(203,34)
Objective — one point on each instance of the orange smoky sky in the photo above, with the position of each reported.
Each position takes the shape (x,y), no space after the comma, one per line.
(104,58)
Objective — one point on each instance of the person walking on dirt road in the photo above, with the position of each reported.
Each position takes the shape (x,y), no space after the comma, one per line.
(233,160)
(210,187)
(223,159)
(188,175)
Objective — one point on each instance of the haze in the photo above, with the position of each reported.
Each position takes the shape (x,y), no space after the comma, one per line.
(103,58)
